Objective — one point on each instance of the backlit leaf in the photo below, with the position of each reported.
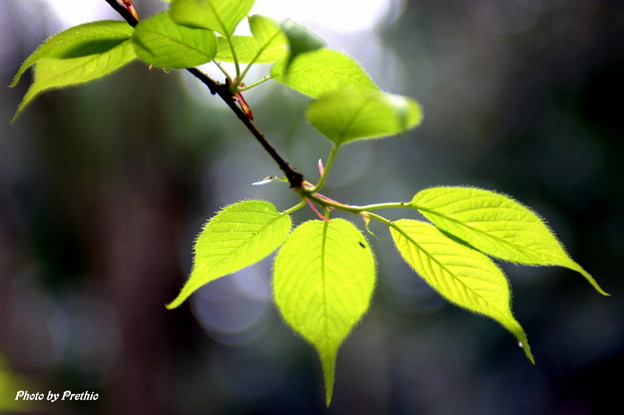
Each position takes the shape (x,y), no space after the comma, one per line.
(300,40)
(323,281)
(219,15)
(238,236)
(78,41)
(321,71)
(161,42)
(462,275)
(58,73)
(497,225)
(247,50)
(352,114)
(269,37)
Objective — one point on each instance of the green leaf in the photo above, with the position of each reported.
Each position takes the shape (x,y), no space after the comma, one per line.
(161,42)
(353,114)
(300,39)
(321,71)
(219,15)
(497,225)
(58,73)
(247,51)
(460,274)
(323,281)
(269,37)
(238,236)
(82,40)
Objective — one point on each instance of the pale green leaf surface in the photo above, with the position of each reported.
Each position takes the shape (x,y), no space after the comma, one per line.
(219,15)
(323,280)
(247,51)
(300,40)
(86,39)
(462,275)
(497,225)
(238,236)
(353,114)
(161,42)
(269,37)
(58,73)
(321,71)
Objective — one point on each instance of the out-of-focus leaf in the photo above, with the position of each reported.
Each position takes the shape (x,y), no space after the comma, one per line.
(320,72)
(349,114)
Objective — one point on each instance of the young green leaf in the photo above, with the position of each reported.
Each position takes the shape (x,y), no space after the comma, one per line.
(321,71)
(219,15)
(353,114)
(238,236)
(269,37)
(247,50)
(82,40)
(323,281)
(300,39)
(161,42)
(460,274)
(497,225)
(58,73)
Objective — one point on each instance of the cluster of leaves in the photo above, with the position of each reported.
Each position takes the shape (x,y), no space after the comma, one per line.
(325,270)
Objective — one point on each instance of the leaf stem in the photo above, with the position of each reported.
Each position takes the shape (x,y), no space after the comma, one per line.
(235,59)
(258,82)
(222,69)
(295,208)
(328,166)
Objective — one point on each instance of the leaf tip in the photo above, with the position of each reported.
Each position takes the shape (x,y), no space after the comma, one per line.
(329,367)
(578,268)
(184,294)
(524,345)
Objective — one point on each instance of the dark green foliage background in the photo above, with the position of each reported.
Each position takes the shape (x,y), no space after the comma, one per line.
(103,188)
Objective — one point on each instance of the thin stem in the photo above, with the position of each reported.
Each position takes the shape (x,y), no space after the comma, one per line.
(253,61)
(382,220)
(222,69)
(258,82)
(328,166)
(234,58)
(295,208)
(327,202)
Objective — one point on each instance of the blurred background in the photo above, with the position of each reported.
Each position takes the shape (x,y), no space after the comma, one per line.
(104,187)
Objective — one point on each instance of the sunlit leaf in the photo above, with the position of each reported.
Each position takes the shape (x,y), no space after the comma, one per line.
(161,42)
(352,114)
(300,40)
(496,225)
(269,37)
(323,281)
(247,50)
(58,73)
(462,275)
(78,41)
(321,71)
(219,15)
(238,236)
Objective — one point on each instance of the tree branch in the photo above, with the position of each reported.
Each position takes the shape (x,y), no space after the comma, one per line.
(222,90)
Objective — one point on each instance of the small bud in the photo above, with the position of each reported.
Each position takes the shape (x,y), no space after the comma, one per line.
(130,7)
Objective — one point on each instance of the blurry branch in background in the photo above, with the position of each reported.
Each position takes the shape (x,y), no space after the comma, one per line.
(127,10)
